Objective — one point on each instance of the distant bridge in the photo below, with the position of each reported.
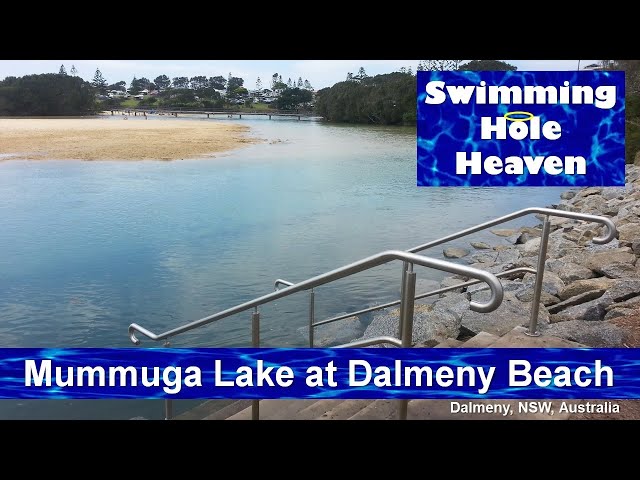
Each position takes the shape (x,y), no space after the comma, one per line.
(229,113)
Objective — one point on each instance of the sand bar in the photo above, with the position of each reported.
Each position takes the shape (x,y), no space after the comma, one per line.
(114,138)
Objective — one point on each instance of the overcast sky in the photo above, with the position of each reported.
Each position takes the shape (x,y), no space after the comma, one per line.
(321,73)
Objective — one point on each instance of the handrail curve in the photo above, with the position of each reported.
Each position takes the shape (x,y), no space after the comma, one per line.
(607,222)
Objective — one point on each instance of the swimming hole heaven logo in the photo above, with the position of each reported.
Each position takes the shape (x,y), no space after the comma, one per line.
(495,129)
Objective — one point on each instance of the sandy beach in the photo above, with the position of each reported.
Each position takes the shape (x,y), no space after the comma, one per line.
(114,138)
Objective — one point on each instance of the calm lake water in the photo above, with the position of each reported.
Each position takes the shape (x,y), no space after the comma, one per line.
(86,248)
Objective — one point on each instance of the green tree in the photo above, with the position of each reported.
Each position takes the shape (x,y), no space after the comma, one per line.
(258,84)
(293,98)
(46,94)
(279,86)
(139,84)
(121,86)
(632,103)
(387,99)
(233,83)
(162,82)
(199,82)
(479,65)
(289,83)
(361,74)
(217,83)
(99,82)
(274,80)
(73,71)
(307,85)
(180,82)
(62,70)
(300,82)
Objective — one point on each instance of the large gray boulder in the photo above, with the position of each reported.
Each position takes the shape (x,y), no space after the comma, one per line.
(424,285)
(577,300)
(581,286)
(532,247)
(450,282)
(431,324)
(593,310)
(511,313)
(629,233)
(633,302)
(602,260)
(618,312)
(569,271)
(623,289)
(586,192)
(620,290)
(504,232)
(455,252)
(336,333)
(619,270)
(551,282)
(594,204)
(526,295)
(592,334)
(484,257)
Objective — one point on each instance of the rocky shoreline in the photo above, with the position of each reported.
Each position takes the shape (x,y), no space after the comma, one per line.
(584,285)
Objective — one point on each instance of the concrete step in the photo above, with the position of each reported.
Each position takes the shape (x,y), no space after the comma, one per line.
(481,340)
(229,410)
(318,409)
(205,409)
(290,412)
(267,409)
(345,410)
(449,343)
(517,338)
(378,410)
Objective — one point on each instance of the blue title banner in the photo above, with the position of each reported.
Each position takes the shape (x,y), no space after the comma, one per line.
(494,129)
(319,373)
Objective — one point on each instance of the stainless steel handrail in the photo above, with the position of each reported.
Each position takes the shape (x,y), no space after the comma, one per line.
(279,282)
(610,235)
(548,212)
(345,271)
(422,295)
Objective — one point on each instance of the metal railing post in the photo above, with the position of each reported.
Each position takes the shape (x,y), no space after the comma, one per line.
(312,314)
(168,403)
(406,322)
(255,342)
(405,266)
(537,289)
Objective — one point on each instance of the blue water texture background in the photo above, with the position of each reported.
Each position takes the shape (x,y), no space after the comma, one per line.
(625,364)
(595,133)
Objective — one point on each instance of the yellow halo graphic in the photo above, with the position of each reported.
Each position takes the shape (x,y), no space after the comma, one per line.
(528,117)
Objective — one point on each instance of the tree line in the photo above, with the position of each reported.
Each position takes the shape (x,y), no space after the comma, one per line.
(632,102)
(387,99)
(205,92)
(47,94)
